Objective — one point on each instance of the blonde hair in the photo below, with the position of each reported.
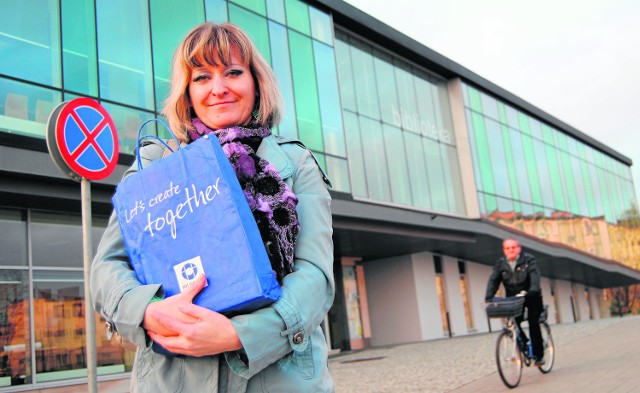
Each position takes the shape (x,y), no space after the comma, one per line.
(207,43)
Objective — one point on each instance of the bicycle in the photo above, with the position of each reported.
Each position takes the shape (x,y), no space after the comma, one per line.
(511,351)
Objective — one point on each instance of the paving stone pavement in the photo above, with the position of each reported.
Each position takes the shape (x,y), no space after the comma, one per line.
(467,363)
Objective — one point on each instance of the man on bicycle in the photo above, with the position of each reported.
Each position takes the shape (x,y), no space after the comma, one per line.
(520,275)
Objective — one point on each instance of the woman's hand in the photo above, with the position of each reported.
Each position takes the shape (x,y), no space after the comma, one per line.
(203,333)
(170,307)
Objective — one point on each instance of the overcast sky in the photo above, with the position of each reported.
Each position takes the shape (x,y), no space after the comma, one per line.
(578,60)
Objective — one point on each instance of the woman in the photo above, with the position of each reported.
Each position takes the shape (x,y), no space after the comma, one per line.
(222,85)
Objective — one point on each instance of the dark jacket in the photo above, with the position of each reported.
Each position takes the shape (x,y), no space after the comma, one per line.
(524,277)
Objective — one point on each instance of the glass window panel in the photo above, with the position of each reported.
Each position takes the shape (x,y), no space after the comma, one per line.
(128,122)
(596,191)
(257,6)
(523,121)
(345,76)
(562,141)
(321,28)
(502,112)
(474,99)
(365,82)
(298,16)
(465,95)
(580,190)
(444,121)
(58,302)
(617,196)
(15,331)
(535,126)
(417,170)
(25,109)
(582,153)
(511,165)
(489,106)
(338,173)
(548,134)
(255,27)
(543,172)
(56,239)
(498,160)
(355,154)
(216,10)
(569,182)
(490,204)
(282,67)
(30,35)
(329,97)
(512,117)
(407,99)
(387,91)
(13,226)
(481,204)
(170,22)
(520,165)
(505,205)
(588,195)
(474,152)
(375,160)
(484,154)
(555,173)
(79,54)
(573,146)
(426,109)
(124,52)
(306,91)
(435,171)
(532,169)
(453,178)
(397,164)
(606,200)
(275,11)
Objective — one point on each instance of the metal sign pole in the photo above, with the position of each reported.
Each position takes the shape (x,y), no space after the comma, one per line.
(90,321)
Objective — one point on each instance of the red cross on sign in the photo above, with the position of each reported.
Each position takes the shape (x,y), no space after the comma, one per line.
(82,139)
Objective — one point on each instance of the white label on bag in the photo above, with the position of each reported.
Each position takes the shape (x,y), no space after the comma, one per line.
(188,271)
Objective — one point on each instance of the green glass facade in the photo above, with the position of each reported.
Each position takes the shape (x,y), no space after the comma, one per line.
(398,128)
(527,167)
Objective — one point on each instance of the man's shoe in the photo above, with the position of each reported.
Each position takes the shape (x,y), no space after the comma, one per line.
(539,362)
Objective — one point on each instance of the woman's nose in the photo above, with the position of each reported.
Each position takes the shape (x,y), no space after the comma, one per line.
(219,86)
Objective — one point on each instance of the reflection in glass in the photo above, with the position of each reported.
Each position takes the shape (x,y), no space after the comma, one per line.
(25,109)
(15,336)
(79,54)
(397,163)
(282,67)
(306,91)
(375,160)
(355,154)
(30,41)
(124,52)
(329,99)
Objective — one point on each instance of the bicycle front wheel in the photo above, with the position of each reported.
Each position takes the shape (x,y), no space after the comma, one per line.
(509,359)
(549,349)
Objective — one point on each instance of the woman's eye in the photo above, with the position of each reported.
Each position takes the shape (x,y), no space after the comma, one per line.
(235,72)
(199,78)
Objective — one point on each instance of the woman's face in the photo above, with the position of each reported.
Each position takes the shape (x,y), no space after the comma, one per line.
(223,96)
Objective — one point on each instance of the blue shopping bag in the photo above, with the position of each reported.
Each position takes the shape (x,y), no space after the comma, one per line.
(186,215)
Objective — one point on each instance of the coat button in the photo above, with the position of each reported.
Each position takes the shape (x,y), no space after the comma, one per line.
(298,337)
(109,330)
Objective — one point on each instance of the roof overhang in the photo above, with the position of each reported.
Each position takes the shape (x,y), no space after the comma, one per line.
(371,231)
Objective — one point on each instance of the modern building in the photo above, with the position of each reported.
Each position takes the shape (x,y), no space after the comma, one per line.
(432,167)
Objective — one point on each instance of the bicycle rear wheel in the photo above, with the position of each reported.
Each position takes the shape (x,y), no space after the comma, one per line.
(508,359)
(549,349)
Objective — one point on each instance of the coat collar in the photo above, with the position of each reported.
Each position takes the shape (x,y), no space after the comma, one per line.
(271,151)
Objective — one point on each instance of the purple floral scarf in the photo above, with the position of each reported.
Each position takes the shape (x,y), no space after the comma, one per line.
(272,202)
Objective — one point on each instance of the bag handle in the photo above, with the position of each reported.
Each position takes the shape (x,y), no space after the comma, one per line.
(140,138)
